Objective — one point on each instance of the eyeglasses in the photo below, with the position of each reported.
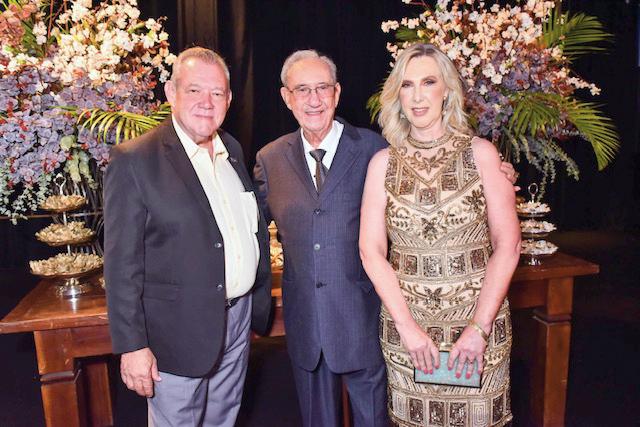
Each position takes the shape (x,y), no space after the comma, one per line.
(323,90)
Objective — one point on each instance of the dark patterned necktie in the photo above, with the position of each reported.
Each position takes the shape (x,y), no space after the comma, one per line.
(321,170)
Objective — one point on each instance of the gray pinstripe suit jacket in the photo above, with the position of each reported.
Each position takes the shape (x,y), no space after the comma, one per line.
(329,303)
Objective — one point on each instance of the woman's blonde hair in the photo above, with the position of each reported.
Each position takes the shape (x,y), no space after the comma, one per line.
(394,124)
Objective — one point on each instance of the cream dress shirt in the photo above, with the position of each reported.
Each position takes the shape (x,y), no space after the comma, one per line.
(235,211)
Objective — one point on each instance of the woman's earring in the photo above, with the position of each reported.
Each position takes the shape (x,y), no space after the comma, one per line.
(402,116)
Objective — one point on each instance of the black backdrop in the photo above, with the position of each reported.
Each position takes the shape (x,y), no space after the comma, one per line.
(255,36)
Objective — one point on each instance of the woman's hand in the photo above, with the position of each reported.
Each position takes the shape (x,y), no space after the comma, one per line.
(424,353)
(470,347)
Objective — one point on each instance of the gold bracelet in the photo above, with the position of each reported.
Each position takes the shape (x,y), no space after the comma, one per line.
(479,329)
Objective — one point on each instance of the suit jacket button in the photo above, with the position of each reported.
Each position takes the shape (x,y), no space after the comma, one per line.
(218,245)
(220,286)
(319,285)
(316,247)
(317,211)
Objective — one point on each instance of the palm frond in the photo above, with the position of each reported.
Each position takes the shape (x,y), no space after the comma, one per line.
(405,34)
(596,128)
(374,106)
(121,125)
(535,114)
(576,35)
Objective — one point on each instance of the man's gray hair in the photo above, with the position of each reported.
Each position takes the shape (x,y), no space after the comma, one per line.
(203,54)
(299,55)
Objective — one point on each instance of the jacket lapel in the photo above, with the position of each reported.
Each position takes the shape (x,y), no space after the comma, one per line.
(236,163)
(295,156)
(347,153)
(180,161)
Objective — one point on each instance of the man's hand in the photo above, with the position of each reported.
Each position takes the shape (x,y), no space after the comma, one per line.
(507,169)
(138,370)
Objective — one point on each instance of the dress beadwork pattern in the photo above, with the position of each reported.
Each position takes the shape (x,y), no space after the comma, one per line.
(437,223)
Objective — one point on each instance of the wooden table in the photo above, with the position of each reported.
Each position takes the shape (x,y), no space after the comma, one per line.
(72,343)
(549,288)
(68,334)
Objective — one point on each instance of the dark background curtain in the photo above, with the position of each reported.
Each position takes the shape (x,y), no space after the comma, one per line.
(256,36)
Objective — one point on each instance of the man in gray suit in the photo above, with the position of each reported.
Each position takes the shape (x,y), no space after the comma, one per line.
(310,182)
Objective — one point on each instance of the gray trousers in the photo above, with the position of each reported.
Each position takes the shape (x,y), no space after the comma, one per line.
(213,400)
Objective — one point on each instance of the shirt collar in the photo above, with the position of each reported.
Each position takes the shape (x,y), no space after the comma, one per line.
(329,143)
(191,148)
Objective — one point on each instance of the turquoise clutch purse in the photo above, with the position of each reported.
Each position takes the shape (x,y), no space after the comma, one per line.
(444,376)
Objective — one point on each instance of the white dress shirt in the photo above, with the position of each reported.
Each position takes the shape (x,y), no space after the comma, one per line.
(329,144)
(235,211)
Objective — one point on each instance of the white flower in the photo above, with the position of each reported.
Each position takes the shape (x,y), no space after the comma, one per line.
(495,8)
(123,41)
(40,31)
(148,41)
(41,86)
(94,74)
(110,10)
(556,53)
(483,90)
(466,50)
(170,59)
(453,52)
(443,4)
(80,9)
(121,22)
(594,90)
(389,25)
(413,23)
(156,61)
(525,20)
(132,12)
(488,70)
(474,16)
(496,78)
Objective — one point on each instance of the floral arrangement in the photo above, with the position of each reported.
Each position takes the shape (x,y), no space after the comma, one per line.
(73,79)
(516,63)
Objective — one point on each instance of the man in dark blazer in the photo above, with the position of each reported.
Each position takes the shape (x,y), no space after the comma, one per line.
(330,307)
(186,254)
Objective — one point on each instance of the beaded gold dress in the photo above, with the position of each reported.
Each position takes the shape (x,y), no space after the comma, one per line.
(437,223)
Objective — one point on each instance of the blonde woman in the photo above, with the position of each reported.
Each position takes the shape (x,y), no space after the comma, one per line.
(437,193)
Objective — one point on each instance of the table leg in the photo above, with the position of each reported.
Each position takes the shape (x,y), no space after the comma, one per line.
(61,380)
(551,365)
(63,401)
(96,372)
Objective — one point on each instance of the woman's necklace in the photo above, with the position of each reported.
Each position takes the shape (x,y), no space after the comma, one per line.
(429,144)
